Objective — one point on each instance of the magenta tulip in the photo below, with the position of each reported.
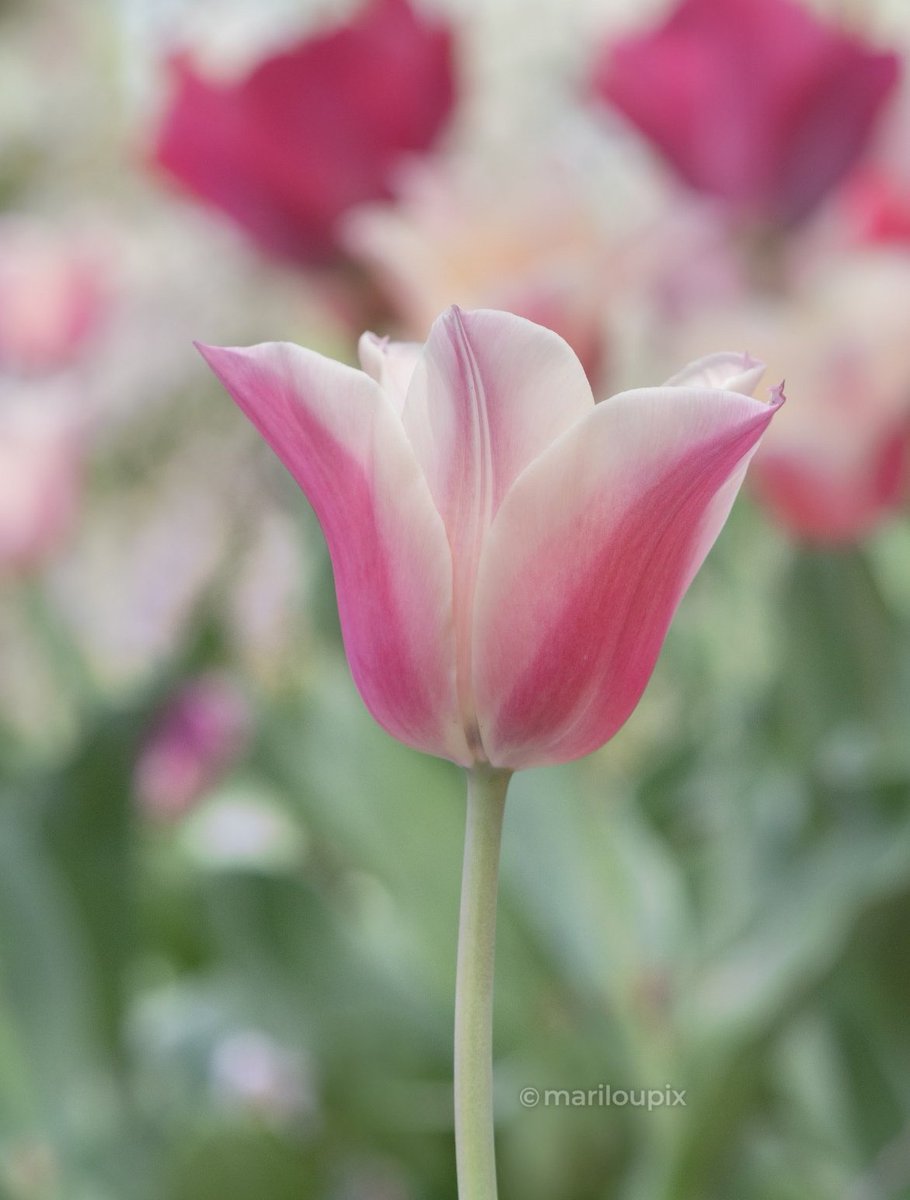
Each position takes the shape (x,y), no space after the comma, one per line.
(757,102)
(508,555)
(311,131)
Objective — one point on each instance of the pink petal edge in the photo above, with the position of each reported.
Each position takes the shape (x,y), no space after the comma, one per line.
(339,436)
(588,558)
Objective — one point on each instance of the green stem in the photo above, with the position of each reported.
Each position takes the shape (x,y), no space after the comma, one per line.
(474,1148)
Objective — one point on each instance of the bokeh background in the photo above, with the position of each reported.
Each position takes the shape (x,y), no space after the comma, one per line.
(228,901)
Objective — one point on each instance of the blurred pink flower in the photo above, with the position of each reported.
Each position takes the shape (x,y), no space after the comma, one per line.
(842,462)
(526,244)
(51,296)
(877,205)
(201,732)
(40,470)
(507,555)
(312,130)
(830,502)
(756,102)
(836,461)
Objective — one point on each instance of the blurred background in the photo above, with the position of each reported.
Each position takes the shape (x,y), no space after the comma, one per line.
(228,901)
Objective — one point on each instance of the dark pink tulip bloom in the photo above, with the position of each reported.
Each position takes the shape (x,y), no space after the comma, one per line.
(508,556)
(285,151)
(756,102)
(201,731)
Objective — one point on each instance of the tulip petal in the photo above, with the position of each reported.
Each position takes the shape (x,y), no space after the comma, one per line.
(391,364)
(727,371)
(339,436)
(588,558)
(491,392)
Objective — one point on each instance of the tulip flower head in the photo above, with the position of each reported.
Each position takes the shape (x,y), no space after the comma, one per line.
(507,554)
(313,129)
(757,103)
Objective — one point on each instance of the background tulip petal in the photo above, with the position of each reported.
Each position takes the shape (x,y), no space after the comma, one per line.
(340,438)
(772,147)
(831,504)
(313,130)
(588,559)
(491,392)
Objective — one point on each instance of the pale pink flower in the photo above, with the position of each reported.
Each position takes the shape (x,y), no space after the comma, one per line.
(507,555)
(526,243)
(252,1072)
(51,296)
(836,462)
(41,464)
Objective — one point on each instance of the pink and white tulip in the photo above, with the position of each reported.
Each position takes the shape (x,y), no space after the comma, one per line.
(507,554)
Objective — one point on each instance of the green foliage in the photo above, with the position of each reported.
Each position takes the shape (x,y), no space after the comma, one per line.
(717,902)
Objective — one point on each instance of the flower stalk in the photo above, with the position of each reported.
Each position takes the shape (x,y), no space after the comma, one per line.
(474,1142)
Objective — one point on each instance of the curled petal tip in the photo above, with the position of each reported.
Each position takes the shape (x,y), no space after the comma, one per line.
(778,395)
(209,353)
(221,358)
(217,358)
(454,316)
